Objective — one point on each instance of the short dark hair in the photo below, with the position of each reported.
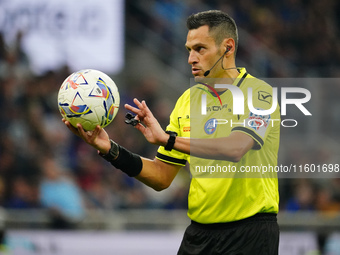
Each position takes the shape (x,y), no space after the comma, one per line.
(220,24)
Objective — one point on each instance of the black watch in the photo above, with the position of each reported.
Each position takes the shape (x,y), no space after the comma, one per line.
(113,152)
(171,142)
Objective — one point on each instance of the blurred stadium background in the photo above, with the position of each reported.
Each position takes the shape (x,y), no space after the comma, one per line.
(50,180)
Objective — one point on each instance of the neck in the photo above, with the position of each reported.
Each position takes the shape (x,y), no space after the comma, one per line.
(230,70)
(228,76)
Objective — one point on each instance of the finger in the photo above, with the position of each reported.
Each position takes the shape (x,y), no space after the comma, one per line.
(146,108)
(92,134)
(68,124)
(131,108)
(137,118)
(71,127)
(138,111)
(81,131)
(96,131)
(142,106)
(139,104)
(140,127)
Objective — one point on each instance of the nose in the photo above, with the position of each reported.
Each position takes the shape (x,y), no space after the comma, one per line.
(192,59)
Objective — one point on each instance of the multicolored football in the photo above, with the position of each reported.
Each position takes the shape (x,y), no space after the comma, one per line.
(89,97)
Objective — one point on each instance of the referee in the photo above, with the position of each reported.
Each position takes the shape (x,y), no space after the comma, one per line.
(230,212)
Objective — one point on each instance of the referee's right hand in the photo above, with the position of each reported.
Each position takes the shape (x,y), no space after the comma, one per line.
(97,138)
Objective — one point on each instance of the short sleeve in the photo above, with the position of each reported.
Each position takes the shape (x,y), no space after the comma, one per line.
(258,125)
(175,157)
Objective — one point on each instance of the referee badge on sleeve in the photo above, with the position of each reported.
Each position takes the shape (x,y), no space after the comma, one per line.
(258,122)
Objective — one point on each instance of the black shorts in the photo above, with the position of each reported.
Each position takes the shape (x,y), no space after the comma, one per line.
(257,235)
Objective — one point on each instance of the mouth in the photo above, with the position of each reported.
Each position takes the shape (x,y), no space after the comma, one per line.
(195,71)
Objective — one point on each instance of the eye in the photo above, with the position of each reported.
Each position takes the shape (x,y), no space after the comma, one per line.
(200,49)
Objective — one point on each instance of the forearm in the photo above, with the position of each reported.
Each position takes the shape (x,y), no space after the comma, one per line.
(231,148)
(153,173)
(157,174)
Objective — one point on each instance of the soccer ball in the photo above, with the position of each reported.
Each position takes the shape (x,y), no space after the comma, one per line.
(88,97)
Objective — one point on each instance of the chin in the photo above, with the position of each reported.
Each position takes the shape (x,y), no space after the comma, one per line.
(200,78)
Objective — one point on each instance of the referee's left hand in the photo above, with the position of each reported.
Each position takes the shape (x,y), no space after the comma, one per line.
(148,126)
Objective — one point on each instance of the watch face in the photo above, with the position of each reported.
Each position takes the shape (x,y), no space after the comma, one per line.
(114,151)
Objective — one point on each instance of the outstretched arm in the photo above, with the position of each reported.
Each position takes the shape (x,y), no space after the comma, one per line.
(231,148)
(154,173)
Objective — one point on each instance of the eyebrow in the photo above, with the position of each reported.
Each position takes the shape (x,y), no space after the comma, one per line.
(195,46)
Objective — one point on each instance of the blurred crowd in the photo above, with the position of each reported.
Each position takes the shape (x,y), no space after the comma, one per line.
(43,165)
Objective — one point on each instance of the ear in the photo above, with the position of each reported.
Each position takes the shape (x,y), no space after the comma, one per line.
(228,45)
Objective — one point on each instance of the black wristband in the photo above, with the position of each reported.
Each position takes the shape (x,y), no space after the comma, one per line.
(128,162)
(171,141)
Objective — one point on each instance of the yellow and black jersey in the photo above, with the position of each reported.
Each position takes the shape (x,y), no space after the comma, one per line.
(224,191)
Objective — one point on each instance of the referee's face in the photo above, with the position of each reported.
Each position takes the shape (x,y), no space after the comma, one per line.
(203,52)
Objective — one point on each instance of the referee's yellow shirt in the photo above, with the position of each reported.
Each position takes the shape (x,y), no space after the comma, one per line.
(223,191)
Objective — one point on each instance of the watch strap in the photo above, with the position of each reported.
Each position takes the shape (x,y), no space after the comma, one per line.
(113,152)
(171,141)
